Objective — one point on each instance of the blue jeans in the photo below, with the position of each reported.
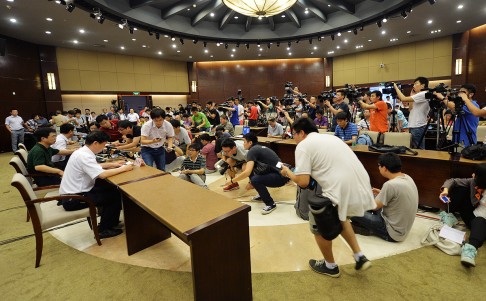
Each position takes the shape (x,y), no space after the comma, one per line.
(417,133)
(151,155)
(373,221)
(17,137)
(261,182)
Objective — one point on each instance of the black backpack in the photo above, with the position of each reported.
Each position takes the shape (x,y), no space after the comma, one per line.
(474,152)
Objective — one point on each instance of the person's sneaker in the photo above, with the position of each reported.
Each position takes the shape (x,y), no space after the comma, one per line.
(319,266)
(362,264)
(360,230)
(232,186)
(468,255)
(268,209)
(256,198)
(107,233)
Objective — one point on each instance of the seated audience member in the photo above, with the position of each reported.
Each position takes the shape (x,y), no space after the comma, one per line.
(320,120)
(92,117)
(346,131)
(93,126)
(186,121)
(275,129)
(121,114)
(109,126)
(234,154)
(220,135)
(131,134)
(261,168)
(199,120)
(155,133)
(80,177)
(192,169)
(468,197)
(228,127)
(364,123)
(80,122)
(396,203)
(181,137)
(396,120)
(208,153)
(62,142)
(31,126)
(213,117)
(39,160)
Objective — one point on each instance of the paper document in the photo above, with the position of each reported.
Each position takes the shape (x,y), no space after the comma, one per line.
(452,234)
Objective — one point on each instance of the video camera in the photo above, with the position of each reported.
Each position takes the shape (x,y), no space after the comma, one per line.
(326,95)
(353,92)
(390,89)
(224,105)
(434,102)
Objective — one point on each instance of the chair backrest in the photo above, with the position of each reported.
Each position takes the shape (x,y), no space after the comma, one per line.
(23,154)
(19,167)
(238,130)
(373,135)
(398,139)
(22,146)
(329,133)
(481,133)
(22,184)
(322,131)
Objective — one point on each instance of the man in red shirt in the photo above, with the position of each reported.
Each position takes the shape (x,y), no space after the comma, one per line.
(379,112)
(110,127)
(253,117)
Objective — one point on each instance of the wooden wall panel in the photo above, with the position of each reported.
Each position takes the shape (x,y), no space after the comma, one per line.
(219,80)
(476,63)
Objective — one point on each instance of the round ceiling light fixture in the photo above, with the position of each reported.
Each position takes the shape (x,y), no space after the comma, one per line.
(258,8)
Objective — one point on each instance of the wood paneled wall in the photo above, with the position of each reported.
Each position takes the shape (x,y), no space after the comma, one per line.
(219,80)
(476,63)
(23,80)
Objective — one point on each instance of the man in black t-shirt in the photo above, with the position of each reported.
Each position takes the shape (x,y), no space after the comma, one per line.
(131,134)
(263,168)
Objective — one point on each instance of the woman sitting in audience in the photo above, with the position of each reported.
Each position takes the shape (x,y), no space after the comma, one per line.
(467,196)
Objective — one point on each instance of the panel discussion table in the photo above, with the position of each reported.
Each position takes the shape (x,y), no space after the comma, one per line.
(429,169)
(216,228)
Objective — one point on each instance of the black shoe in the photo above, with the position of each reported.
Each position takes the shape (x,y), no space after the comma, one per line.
(319,266)
(362,264)
(107,233)
(361,230)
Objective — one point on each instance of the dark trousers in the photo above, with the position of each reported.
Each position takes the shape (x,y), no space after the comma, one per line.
(108,197)
(252,122)
(261,182)
(43,181)
(460,202)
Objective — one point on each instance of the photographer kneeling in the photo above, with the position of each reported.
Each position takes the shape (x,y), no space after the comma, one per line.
(234,156)
(263,168)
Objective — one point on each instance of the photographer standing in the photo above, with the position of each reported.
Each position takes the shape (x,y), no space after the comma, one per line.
(338,106)
(466,124)
(379,112)
(417,121)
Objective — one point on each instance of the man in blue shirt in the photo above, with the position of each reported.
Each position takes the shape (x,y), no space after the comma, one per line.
(345,130)
(466,124)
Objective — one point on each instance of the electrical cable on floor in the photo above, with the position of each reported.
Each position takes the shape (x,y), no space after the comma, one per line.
(12,208)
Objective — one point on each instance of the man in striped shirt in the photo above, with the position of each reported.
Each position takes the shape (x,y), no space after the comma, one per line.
(345,130)
(192,169)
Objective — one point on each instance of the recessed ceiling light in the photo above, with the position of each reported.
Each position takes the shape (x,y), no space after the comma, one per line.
(306,11)
(49,19)
(283,16)
(261,49)
(383,31)
(166,36)
(338,34)
(458,21)
(211,55)
(206,51)
(312,52)
(178,51)
(232,55)
(259,54)
(211,14)
(460,6)
(290,53)
(188,9)
(330,52)
(370,40)
(337,47)
(122,47)
(134,40)
(144,46)
(345,41)
(13,20)
(106,41)
(75,42)
(329,5)
(349,30)
(236,17)
(174,46)
(315,47)
(159,53)
(48,32)
(234,50)
(194,5)
(409,31)
(288,48)
(82,31)
(429,22)
(10,0)
(190,56)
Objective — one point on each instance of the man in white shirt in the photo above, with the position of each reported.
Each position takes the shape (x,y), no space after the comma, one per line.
(181,137)
(133,117)
(345,183)
(241,111)
(417,120)
(62,142)
(155,133)
(80,177)
(15,125)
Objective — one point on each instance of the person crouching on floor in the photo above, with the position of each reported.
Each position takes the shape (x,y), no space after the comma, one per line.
(193,166)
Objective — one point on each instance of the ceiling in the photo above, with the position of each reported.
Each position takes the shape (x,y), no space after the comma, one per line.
(211,22)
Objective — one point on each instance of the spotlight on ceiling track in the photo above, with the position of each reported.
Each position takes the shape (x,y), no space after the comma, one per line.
(355,31)
(332,37)
(157,35)
(182,41)
(361,28)
(269,45)
(205,44)
(378,23)
(131,30)
(70,7)
(290,44)
(101,19)
(225,45)
(258,44)
(150,33)
(237,44)
(432,2)
(319,39)
(404,14)
(310,41)
(63,2)
(123,23)
(247,45)
(278,44)
(297,42)
(172,38)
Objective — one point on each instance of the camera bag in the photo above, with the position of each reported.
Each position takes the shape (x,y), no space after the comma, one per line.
(383,148)
(474,152)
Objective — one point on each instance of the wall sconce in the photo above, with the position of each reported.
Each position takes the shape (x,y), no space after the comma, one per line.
(51,81)
(328,81)
(458,66)
(193,86)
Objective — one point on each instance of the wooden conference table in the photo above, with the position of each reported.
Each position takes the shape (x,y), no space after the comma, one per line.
(429,169)
(216,229)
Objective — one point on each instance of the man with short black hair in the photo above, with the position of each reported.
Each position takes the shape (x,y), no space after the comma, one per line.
(338,106)
(192,169)
(396,203)
(346,131)
(275,129)
(344,181)
(227,126)
(39,160)
(181,137)
(154,135)
(80,177)
(263,168)
(15,125)
(131,133)
(234,153)
(379,112)
(62,142)
(109,126)
(199,120)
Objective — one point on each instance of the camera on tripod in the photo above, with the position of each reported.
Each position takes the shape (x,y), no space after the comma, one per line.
(353,92)
(390,89)
(435,102)
(456,99)
(326,95)
(224,105)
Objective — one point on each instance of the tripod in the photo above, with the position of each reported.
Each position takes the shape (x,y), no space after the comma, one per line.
(436,111)
(456,134)
(394,127)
